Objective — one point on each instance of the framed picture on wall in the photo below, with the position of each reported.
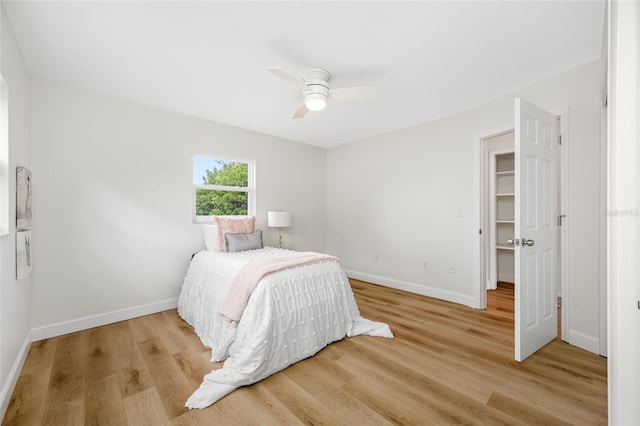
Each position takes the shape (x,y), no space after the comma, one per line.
(23,198)
(23,254)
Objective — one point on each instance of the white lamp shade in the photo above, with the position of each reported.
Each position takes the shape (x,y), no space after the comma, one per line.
(279,219)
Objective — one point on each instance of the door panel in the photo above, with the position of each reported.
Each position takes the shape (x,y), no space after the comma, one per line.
(536,210)
(529,277)
(531,177)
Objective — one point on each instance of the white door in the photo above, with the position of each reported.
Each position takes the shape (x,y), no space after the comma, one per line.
(536,231)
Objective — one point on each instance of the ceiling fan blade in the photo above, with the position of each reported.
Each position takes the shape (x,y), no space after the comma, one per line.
(301,112)
(353,93)
(279,72)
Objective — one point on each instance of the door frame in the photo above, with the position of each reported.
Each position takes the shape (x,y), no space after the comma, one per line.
(481,238)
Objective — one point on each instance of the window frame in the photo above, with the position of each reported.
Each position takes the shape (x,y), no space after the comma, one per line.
(250,189)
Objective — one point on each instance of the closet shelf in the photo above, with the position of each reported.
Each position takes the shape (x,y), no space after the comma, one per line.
(505,247)
(506,173)
(506,194)
(505,221)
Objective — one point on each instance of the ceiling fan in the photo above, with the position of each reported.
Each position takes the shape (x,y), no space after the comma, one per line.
(316,90)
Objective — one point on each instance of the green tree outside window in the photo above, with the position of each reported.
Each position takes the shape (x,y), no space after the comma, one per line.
(224,190)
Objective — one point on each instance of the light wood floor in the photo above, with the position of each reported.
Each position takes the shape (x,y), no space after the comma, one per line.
(448,364)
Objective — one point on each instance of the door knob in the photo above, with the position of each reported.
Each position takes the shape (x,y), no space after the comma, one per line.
(528,243)
(515,242)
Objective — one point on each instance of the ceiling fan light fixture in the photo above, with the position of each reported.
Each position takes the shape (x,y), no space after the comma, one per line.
(316,91)
(315,101)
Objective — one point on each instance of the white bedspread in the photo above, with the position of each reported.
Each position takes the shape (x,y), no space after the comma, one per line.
(291,315)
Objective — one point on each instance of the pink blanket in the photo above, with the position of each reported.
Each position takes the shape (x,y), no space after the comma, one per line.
(248,278)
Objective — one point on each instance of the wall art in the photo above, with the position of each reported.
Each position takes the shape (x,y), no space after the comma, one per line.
(23,254)
(23,198)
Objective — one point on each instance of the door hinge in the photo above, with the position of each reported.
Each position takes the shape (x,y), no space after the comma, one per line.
(560,217)
(559,301)
(559,139)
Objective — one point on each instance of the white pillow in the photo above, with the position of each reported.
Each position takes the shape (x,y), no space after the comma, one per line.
(211,239)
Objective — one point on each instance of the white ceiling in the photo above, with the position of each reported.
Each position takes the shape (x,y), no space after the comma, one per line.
(208,59)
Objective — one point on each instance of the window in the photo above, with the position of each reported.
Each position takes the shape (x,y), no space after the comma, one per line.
(222,186)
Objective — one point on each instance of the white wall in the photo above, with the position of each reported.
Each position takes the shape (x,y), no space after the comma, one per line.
(112,200)
(396,196)
(623,214)
(15,311)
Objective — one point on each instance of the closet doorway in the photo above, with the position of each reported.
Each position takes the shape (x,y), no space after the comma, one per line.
(499,152)
(498,209)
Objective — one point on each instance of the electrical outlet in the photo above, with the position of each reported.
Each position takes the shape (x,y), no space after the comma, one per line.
(375,257)
(425,264)
(452,269)
(459,213)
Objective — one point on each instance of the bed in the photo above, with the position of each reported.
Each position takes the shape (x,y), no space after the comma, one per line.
(290,315)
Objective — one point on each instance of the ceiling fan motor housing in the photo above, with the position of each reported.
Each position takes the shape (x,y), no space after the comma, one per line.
(317,90)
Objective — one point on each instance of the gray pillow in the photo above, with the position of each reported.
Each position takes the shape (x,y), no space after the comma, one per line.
(242,242)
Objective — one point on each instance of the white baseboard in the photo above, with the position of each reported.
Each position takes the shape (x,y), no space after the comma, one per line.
(450,296)
(583,341)
(92,321)
(14,374)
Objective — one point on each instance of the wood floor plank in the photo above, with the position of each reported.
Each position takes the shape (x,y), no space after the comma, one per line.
(208,417)
(546,395)
(301,402)
(194,366)
(178,335)
(103,403)
(40,357)
(241,409)
(27,403)
(172,386)
(318,375)
(410,386)
(522,412)
(145,327)
(261,397)
(448,364)
(145,408)
(390,405)
(65,394)
(350,410)
(576,358)
(70,413)
(439,368)
(99,355)
(131,370)
(568,378)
